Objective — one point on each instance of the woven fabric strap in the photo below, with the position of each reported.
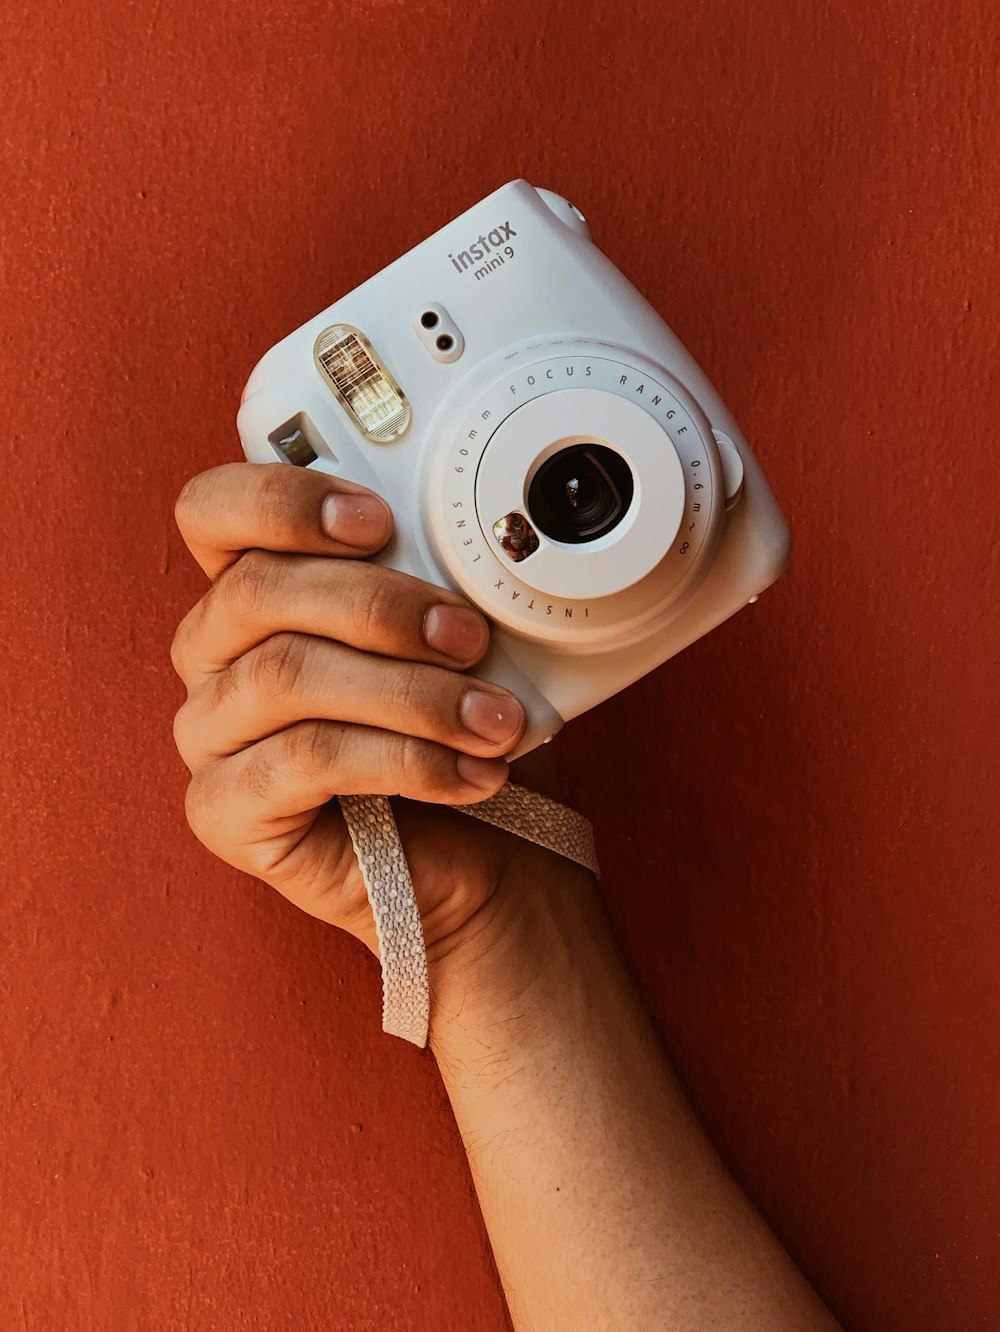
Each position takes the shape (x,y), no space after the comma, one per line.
(375,837)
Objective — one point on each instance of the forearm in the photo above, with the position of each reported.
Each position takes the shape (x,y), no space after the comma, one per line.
(606,1206)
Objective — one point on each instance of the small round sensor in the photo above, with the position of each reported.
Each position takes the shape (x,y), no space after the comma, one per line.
(441,336)
(516,536)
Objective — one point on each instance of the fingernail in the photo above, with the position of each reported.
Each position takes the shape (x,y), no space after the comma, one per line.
(495,717)
(357,520)
(485,774)
(455,631)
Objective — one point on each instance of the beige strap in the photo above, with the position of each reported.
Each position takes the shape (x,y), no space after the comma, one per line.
(375,837)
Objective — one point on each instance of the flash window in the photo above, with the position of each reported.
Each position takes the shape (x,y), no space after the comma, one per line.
(361,383)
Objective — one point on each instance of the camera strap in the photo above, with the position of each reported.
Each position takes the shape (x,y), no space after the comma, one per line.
(382,860)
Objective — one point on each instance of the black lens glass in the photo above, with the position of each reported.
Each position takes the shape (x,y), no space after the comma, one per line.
(580,493)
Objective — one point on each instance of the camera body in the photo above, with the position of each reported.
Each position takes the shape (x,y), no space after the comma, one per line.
(548,447)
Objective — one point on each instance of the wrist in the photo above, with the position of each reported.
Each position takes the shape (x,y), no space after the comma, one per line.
(527,935)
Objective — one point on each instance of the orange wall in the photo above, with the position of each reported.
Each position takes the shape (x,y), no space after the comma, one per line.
(202,1125)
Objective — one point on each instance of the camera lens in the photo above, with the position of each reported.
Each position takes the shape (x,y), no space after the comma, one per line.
(429,319)
(580,493)
(445,342)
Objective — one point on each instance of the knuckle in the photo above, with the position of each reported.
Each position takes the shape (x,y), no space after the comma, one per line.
(375,603)
(186,502)
(197,811)
(274,491)
(314,746)
(260,776)
(182,733)
(181,644)
(247,586)
(276,667)
(410,692)
(427,771)
(190,501)
(178,648)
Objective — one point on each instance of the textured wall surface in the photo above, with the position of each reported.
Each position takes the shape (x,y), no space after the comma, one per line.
(202,1125)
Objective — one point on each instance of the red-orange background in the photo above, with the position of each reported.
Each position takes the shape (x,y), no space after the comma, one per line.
(202,1125)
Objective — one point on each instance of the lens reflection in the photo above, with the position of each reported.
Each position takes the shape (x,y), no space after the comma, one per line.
(580,493)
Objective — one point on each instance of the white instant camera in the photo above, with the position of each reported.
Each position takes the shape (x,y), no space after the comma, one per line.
(548,448)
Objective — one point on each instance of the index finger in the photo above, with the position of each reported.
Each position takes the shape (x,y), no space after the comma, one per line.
(270,506)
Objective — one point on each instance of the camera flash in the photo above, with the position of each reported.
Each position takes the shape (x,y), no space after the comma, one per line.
(362,384)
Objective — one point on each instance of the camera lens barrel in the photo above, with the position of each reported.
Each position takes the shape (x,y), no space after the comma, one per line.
(596,477)
(574,494)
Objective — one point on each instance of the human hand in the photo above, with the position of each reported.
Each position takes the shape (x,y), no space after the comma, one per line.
(311,673)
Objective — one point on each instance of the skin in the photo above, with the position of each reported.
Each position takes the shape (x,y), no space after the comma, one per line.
(311,673)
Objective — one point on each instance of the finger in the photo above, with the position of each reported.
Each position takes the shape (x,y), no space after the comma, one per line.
(293,677)
(250,796)
(258,809)
(377,609)
(243,506)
